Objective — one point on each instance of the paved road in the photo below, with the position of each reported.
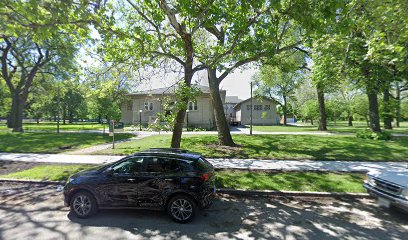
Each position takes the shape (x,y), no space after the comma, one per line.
(36,212)
(250,164)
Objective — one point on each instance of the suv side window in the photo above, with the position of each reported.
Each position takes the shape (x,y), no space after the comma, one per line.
(129,166)
(161,165)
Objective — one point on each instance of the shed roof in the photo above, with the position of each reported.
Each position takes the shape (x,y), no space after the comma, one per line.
(260,97)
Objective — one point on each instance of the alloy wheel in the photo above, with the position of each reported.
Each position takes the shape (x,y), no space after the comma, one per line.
(181,209)
(82,205)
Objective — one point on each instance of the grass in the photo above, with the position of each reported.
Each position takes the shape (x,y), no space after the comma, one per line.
(336,147)
(47,172)
(52,126)
(296,181)
(51,142)
(338,127)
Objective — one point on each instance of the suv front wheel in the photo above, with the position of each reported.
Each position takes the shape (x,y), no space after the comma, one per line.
(181,208)
(83,204)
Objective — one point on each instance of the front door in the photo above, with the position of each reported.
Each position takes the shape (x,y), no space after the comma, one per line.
(121,185)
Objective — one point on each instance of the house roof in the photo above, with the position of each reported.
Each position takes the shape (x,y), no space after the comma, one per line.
(232,99)
(170,90)
(260,97)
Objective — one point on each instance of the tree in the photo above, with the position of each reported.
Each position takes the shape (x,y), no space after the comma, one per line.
(360,107)
(109,84)
(280,81)
(238,33)
(38,36)
(369,37)
(310,110)
(145,32)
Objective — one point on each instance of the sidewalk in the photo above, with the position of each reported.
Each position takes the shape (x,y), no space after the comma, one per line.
(248,164)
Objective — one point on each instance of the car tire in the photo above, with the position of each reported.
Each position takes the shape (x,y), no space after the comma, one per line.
(83,204)
(181,208)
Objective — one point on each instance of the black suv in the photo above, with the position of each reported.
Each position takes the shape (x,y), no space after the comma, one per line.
(169,179)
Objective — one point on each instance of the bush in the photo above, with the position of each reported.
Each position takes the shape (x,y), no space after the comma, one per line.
(368,134)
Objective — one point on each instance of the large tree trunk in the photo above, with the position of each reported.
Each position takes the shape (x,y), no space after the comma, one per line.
(178,125)
(224,134)
(387,111)
(350,121)
(373,114)
(322,109)
(398,107)
(178,129)
(16,113)
(71,117)
(285,111)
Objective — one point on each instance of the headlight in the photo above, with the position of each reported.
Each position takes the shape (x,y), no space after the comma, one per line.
(404,193)
(71,180)
(369,180)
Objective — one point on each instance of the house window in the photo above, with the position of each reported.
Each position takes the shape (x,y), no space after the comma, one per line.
(267,107)
(148,106)
(192,106)
(258,107)
(129,106)
(248,107)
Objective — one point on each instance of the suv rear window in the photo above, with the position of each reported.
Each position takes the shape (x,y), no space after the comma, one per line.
(203,165)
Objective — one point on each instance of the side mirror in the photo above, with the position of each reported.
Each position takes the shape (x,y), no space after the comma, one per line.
(109,172)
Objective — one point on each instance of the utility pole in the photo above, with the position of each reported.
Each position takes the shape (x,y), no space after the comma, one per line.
(250,124)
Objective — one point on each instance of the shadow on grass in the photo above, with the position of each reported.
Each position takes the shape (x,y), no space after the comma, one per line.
(51,142)
(347,148)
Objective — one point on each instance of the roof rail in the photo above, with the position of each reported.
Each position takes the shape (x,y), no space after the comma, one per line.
(173,150)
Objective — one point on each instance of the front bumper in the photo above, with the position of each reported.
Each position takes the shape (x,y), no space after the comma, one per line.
(395,201)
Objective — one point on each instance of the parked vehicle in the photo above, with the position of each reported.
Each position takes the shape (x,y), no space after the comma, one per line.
(174,180)
(389,187)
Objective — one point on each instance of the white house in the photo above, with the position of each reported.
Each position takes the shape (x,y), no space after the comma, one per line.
(263,112)
(144,106)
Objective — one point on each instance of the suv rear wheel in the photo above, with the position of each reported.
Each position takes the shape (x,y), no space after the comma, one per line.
(181,208)
(83,204)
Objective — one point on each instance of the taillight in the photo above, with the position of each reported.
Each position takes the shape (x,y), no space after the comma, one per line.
(205,177)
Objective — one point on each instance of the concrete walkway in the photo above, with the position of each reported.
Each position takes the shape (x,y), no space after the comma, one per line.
(250,164)
(104,146)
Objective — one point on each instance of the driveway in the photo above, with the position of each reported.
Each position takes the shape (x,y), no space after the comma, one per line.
(32,211)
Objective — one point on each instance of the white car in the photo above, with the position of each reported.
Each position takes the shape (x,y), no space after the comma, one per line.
(389,187)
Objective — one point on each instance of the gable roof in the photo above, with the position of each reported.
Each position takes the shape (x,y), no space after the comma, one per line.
(232,99)
(258,97)
(170,90)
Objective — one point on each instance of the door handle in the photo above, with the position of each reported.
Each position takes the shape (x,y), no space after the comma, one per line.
(131,179)
(168,179)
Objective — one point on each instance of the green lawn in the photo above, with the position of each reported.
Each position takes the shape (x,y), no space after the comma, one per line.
(339,126)
(52,172)
(51,142)
(296,181)
(52,126)
(336,147)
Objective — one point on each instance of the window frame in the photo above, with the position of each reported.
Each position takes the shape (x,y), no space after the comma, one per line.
(148,106)
(193,105)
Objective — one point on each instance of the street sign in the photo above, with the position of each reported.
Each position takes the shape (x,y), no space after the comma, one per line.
(119,126)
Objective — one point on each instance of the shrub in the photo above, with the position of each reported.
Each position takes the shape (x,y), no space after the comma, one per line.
(368,134)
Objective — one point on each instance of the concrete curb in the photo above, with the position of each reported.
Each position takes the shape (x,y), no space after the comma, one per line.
(280,170)
(236,192)
(11,180)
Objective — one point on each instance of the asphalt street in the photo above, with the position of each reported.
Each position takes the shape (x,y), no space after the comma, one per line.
(33,211)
